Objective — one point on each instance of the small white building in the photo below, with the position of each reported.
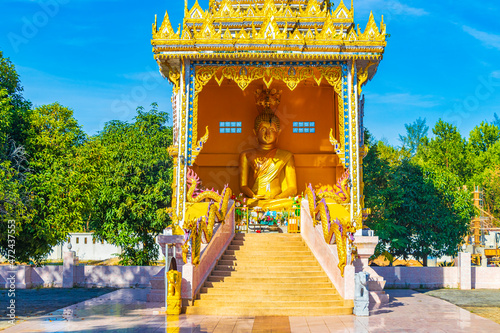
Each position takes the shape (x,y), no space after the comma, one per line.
(86,248)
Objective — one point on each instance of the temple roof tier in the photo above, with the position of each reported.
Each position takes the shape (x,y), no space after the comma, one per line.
(269,29)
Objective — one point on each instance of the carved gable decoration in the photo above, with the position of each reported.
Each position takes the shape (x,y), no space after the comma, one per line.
(312,8)
(342,13)
(186,34)
(227,34)
(166,31)
(297,35)
(372,32)
(196,13)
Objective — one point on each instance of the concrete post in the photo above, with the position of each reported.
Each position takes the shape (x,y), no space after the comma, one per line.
(366,242)
(464,271)
(70,260)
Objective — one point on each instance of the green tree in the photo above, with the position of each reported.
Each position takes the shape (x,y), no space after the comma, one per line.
(416,136)
(491,190)
(382,196)
(15,199)
(415,212)
(483,137)
(5,122)
(496,120)
(483,151)
(446,152)
(10,83)
(135,187)
(52,137)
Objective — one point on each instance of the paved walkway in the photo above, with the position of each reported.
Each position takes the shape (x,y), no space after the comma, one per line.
(484,302)
(126,311)
(37,302)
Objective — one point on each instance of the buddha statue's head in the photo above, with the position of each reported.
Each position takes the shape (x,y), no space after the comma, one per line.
(267,124)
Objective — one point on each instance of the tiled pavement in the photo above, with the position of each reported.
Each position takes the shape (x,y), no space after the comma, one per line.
(126,311)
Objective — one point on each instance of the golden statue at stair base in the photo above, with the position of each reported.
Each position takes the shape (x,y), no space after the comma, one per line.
(174,302)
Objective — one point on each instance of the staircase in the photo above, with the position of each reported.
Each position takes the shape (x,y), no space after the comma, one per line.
(269,275)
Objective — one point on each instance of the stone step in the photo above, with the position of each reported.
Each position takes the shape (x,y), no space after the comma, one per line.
(268,304)
(265,268)
(260,236)
(276,310)
(379,297)
(268,238)
(258,280)
(297,290)
(271,242)
(261,263)
(288,247)
(259,297)
(270,257)
(270,285)
(268,253)
(304,274)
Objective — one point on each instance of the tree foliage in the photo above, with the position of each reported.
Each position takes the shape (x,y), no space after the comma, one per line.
(416,136)
(446,150)
(15,198)
(135,185)
(491,187)
(413,212)
(55,180)
(496,120)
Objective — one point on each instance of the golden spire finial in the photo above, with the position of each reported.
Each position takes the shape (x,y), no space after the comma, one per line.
(186,8)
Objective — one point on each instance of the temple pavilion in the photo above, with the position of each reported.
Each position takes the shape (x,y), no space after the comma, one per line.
(312,60)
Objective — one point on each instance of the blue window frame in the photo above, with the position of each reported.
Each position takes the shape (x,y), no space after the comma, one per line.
(304,127)
(230,127)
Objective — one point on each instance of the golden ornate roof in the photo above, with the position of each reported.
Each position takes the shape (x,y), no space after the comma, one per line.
(282,29)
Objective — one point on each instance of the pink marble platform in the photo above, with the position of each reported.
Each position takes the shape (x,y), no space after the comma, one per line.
(126,310)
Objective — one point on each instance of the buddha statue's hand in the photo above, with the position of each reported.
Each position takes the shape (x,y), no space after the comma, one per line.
(259,197)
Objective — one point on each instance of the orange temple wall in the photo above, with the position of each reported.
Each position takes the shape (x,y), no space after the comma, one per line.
(315,160)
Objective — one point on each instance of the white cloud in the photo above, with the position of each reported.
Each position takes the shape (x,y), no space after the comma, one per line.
(404,99)
(488,39)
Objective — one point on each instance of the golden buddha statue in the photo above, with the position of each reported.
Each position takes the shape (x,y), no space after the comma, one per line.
(267,173)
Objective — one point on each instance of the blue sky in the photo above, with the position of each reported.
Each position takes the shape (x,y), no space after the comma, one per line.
(95,57)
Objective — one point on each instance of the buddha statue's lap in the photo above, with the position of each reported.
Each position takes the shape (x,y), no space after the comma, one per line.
(271,169)
(271,204)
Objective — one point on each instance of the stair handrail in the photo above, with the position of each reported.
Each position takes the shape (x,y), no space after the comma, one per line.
(214,250)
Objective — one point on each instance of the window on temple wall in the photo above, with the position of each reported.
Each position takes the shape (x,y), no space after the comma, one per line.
(85,240)
(77,240)
(230,127)
(304,127)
